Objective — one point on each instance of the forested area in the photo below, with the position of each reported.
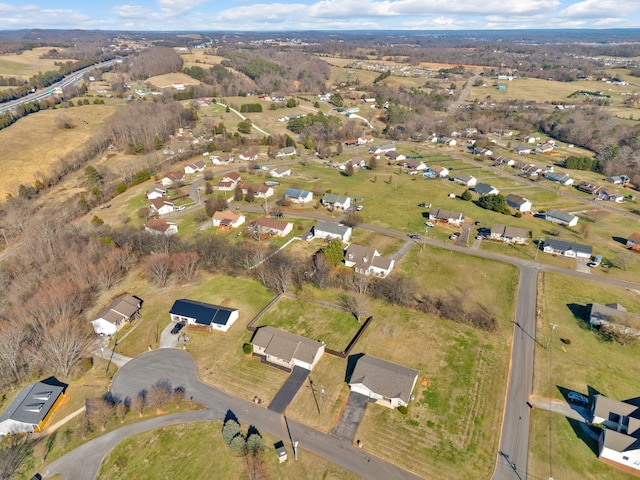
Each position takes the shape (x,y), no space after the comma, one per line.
(154,61)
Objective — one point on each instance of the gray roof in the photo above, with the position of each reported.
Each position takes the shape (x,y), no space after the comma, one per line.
(381,262)
(516,200)
(384,378)
(442,214)
(296,193)
(286,346)
(619,442)
(509,232)
(562,246)
(613,312)
(334,198)
(560,215)
(483,188)
(332,228)
(358,253)
(557,177)
(465,177)
(33,402)
(121,308)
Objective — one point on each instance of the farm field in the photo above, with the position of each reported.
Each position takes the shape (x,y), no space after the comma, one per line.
(169,79)
(585,362)
(28,63)
(23,162)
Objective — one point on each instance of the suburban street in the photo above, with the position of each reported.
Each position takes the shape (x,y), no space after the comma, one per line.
(179,368)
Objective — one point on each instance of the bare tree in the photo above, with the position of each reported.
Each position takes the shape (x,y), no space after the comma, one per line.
(622,260)
(106,272)
(13,337)
(255,467)
(100,411)
(178,395)
(159,394)
(139,402)
(359,283)
(355,304)
(158,267)
(185,265)
(15,452)
(64,345)
(121,411)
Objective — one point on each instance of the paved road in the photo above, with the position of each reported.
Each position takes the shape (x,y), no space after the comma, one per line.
(179,368)
(514,440)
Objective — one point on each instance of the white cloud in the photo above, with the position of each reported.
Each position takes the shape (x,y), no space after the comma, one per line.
(173,8)
(601,9)
(132,11)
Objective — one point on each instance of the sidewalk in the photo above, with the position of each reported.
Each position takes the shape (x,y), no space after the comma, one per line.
(61,422)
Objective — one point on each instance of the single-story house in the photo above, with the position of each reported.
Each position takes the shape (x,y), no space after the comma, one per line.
(530,170)
(483,151)
(633,242)
(249,155)
(546,147)
(619,442)
(365,139)
(286,349)
(509,234)
(448,141)
(616,315)
(622,180)
(226,219)
(332,231)
(566,249)
(367,261)
(529,139)
(121,310)
(171,178)
(233,177)
(610,196)
(222,159)
(156,226)
(519,203)
(589,187)
(297,195)
(465,179)
(445,216)
(499,160)
(395,156)
(522,150)
(563,218)
(280,172)
(333,200)
(32,407)
(389,147)
(285,152)
(194,167)
(259,191)
(272,226)
(211,317)
(485,189)
(387,383)
(162,206)
(436,171)
(156,192)
(561,178)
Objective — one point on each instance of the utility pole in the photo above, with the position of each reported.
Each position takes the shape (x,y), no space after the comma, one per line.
(537,248)
(321,396)
(553,326)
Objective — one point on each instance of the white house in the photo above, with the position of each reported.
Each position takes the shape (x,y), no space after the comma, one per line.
(529,139)
(259,191)
(249,155)
(272,226)
(509,234)
(448,141)
(609,195)
(563,218)
(210,317)
(436,171)
(561,178)
(333,231)
(297,195)
(485,189)
(162,206)
(376,150)
(619,442)
(156,226)
(286,349)
(120,311)
(222,159)
(522,150)
(445,216)
(465,179)
(171,178)
(194,167)
(226,219)
(389,384)
(566,249)
(335,201)
(156,192)
(286,152)
(395,156)
(280,172)
(367,261)
(365,139)
(519,203)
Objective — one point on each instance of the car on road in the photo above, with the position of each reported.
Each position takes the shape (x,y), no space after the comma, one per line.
(180,208)
(176,328)
(578,398)
(359,208)
(415,236)
(429,224)
(454,236)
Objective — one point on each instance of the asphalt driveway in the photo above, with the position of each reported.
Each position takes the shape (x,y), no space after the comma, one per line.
(351,417)
(288,391)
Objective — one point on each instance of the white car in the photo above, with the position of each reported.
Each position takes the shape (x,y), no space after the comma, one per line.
(180,208)
(577,398)
(359,208)
(454,236)
(429,224)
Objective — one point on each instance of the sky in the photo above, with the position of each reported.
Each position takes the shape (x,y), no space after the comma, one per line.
(283,15)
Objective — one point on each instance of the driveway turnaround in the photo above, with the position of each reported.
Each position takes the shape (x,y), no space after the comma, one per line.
(178,367)
(351,417)
(289,390)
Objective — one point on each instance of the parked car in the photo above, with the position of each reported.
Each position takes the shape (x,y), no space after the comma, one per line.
(180,208)
(479,237)
(176,328)
(429,224)
(359,208)
(477,222)
(454,236)
(578,398)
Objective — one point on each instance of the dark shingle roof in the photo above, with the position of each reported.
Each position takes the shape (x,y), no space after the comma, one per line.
(33,403)
(384,378)
(202,313)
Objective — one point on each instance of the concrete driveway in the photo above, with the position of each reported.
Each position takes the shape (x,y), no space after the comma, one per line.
(289,390)
(581,265)
(167,340)
(349,421)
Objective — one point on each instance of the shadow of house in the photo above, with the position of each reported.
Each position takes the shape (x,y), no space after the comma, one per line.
(585,433)
(351,365)
(620,240)
(580,313)
(581,409)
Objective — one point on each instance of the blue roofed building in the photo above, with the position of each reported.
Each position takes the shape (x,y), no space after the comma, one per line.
(206,315)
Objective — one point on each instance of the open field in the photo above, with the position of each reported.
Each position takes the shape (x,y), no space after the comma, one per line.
(333,327)
(28,63)
(589,364)
(152,455)
(199,58)
(23,161)
(169,79)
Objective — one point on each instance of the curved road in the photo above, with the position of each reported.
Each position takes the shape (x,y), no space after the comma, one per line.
(179,368)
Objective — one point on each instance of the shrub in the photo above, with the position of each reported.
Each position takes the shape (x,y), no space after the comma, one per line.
(121,188)
(466,195)
(566,341)
(517,214)
(247,348)
(403,409)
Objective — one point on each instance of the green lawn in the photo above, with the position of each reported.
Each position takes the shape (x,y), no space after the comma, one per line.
(196,450)
(590,363)
(333,327)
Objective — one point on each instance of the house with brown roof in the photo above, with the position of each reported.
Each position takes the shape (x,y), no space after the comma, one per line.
(619,442)
(162,206)
(588,187)
(194,167)
(388,383)
(222,159)
(367,261)
(280,172)
(172,178)
(445,216)
(608,195)
(226,220)
(156,226)
(286,349)
(259,191)
(633,242)
(121,310)
(285,152)
(156,192)
(518,203)
(465,179)
(271,226)
(249,155)
(509,234)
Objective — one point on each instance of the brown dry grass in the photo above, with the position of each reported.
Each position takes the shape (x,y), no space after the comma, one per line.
(34,143)
(168,79)
(27,64)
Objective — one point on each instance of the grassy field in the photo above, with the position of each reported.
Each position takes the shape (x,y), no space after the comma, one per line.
(27,63)
(590,363)
(24,161)
(151,455)
(333,327)
(169,79)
